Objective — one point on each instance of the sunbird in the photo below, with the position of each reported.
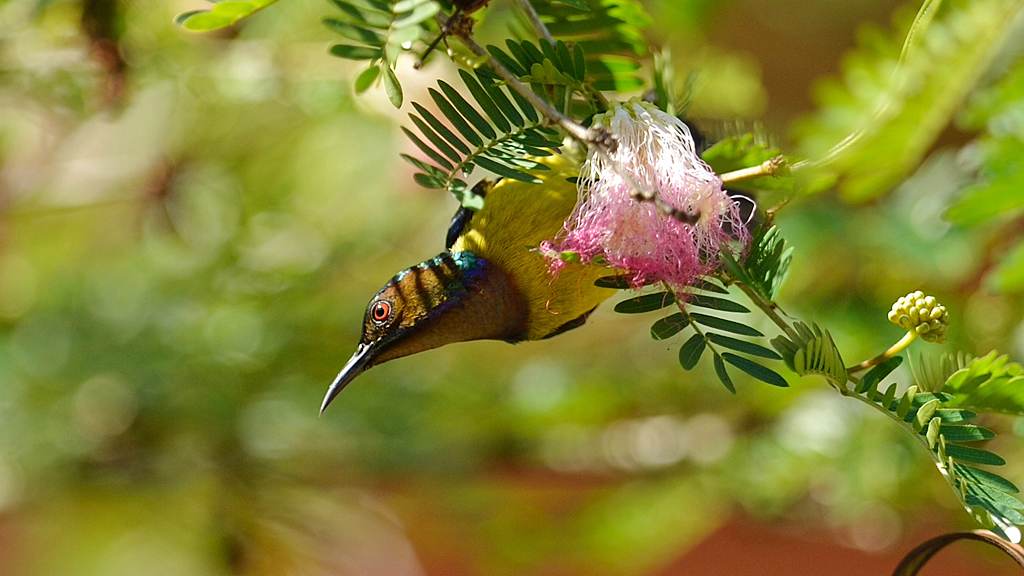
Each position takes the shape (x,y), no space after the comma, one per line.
(489,283)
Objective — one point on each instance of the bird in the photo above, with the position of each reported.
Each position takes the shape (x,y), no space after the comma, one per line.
(490,283)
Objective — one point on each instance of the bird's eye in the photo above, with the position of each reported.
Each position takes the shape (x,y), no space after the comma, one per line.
(380,312)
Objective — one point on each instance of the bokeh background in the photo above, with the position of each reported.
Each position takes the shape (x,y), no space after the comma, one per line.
(191,225)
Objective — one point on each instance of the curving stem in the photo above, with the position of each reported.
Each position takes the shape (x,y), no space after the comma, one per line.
(893,350)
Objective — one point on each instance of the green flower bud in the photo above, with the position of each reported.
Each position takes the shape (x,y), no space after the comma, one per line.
(921,314)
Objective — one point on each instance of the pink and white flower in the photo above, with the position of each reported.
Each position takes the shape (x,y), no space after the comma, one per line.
(656,151)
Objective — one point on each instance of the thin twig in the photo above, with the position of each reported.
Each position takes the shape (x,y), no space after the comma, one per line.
(770,167)
(534,18)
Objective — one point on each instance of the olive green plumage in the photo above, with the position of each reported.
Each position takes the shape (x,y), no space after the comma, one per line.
(490,284)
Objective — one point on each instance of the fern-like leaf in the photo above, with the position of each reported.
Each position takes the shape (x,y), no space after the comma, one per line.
(711,332)
(946,432)
(766,264)
(609,31)
(495,135)
(378,31)
(812,352)
(554,71)
(932,372)
(988,384)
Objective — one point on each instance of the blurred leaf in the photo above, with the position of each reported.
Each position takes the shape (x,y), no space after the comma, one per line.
(357,53)
(1008,277)
(988,384)
(997,113)
(221,15)
(366,78)
(875,127)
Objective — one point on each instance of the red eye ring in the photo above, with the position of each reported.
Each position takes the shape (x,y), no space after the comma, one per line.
(380,312)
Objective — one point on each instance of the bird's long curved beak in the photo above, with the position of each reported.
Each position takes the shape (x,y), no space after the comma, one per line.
(356,365)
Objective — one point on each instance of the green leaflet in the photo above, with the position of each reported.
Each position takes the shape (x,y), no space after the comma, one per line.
(691,351)
(723,375)
(669,327)
(645,303)
(756,370)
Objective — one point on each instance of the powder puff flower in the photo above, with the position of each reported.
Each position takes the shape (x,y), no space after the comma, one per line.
(655,150)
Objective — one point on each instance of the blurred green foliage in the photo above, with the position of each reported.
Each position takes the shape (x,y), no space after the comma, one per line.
(190,227)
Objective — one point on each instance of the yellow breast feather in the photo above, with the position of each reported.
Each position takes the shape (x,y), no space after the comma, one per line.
(516,218)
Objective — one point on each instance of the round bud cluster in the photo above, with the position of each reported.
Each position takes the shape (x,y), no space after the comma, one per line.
(921,314)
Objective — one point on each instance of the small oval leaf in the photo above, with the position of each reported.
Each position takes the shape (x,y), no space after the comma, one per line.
(966,433)
(365,80)
(766,375)
(645,303)
(669,327)
(691,351)
(743,346)
(723,375)
(350,52)
(975,455)
(716,303)
(723,324)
